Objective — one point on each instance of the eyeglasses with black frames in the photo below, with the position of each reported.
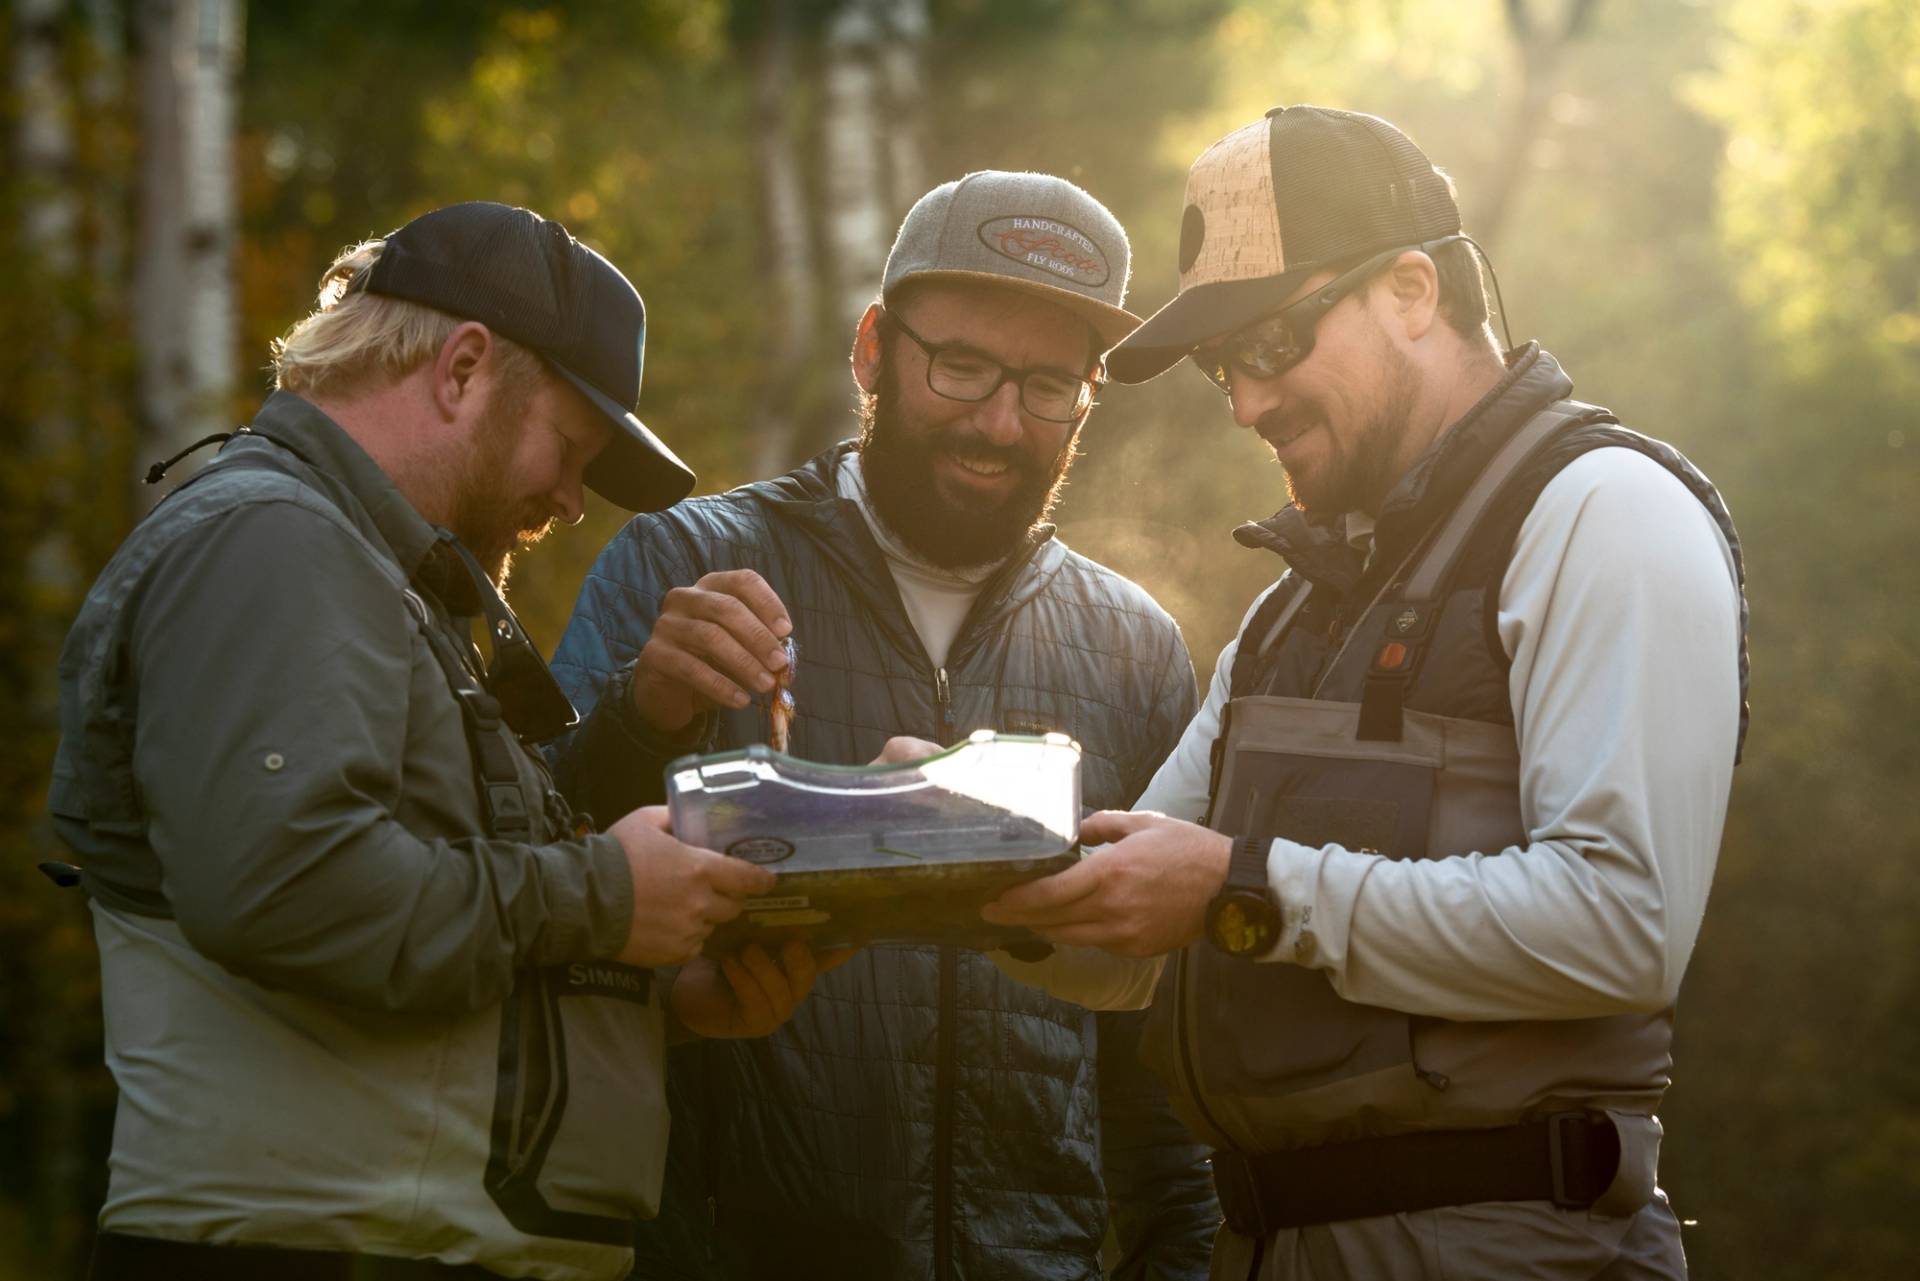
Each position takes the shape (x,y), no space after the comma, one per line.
(961,372)
(1277,342)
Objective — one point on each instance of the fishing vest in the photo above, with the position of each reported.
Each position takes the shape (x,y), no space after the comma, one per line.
(1372,711)
(527,1136)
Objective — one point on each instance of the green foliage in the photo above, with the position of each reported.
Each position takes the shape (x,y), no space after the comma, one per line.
(1820,190)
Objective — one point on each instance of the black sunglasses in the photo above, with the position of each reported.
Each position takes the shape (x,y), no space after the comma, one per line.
(1280,340)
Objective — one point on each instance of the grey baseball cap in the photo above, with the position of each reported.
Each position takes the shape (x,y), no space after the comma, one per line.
(1031,232)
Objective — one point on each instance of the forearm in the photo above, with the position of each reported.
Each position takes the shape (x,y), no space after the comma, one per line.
(367,914)
(1621,617)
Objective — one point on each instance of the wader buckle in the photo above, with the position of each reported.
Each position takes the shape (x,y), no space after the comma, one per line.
(1570,1158)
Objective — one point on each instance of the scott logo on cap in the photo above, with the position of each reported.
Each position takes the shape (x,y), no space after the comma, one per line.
(1050,245)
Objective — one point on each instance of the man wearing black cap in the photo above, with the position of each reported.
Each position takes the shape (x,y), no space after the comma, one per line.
(377,1004)
(1463,772)
(923,1116)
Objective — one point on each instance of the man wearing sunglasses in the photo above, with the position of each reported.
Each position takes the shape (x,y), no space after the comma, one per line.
(1420,881)
(926,1116)
(378,1005)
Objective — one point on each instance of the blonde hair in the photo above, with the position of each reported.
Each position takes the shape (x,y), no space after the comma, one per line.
(353,339)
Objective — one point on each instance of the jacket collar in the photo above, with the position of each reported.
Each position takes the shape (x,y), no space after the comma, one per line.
(345,471)
(1315,544)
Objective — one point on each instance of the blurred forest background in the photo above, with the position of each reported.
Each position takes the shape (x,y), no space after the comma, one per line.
(1709,211)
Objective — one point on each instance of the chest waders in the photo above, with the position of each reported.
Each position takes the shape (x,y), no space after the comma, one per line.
(1324,1109)
(532,1093)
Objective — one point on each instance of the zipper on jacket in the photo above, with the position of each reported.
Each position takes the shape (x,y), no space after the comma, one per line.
(943,1067)
(943,1120)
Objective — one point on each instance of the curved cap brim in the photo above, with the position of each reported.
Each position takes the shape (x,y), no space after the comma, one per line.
(636,470)
(1195,316)
(1111,323)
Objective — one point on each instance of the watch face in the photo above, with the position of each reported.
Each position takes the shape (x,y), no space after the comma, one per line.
(1243,924)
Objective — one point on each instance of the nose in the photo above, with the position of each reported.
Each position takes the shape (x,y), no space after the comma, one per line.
(570,500)
(999,416)
(1251,397)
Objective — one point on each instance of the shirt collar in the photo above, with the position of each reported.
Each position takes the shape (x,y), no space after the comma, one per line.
(326,447)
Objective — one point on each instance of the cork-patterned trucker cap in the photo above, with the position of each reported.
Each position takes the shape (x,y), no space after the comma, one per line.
(1031,232)
(1301,189)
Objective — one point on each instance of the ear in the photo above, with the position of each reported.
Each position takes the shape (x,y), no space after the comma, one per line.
(1413,288)
(463,369)
(867,348)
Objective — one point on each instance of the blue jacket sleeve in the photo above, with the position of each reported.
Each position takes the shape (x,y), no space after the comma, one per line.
(1159,1186)
(613,761)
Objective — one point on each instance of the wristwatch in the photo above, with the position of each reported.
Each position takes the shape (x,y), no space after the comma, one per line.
(1244,917)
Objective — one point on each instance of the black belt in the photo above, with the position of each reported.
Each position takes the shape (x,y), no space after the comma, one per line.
(1568,1159)
(119,1257)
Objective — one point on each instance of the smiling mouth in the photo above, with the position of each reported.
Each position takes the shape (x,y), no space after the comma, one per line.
(1281,439)
(985,468)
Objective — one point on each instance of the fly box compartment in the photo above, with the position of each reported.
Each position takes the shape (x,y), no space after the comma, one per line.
(884,853)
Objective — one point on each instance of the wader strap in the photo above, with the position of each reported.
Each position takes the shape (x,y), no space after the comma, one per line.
(1569,1159)
(1399,654)
(1264,630)
(503,805)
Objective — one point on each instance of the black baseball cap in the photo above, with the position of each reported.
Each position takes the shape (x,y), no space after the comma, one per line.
(1300,190)
(526,278)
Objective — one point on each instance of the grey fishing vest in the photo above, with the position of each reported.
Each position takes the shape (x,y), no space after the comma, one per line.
(1393,735)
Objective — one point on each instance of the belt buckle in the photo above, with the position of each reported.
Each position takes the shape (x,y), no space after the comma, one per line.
(1559,1149)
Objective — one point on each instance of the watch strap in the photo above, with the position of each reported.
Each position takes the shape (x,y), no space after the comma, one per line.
(1247,866)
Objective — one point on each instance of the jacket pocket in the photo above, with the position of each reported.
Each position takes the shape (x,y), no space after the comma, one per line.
(579,1118)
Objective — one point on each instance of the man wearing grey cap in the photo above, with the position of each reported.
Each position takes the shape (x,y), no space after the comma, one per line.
(378,1005)
(1462,774)
(925,1117)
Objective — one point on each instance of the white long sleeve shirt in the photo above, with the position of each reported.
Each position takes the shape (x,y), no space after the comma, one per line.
(1620,611)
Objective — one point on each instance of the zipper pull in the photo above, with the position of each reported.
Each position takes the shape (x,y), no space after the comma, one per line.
(942,693)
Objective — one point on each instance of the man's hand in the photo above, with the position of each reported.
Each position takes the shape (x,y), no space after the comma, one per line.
(715,644)
(679,892)
(902,749)
(747,994)
(1145,894)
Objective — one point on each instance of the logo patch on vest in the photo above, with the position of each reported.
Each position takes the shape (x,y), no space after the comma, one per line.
(1050,245)
(607,978)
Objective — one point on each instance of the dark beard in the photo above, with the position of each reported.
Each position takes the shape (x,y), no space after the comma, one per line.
(898,464)
(1360,475)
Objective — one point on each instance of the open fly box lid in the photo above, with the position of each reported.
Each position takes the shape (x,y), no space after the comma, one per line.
(900,852)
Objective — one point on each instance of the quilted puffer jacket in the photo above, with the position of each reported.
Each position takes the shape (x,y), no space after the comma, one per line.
(922,1115)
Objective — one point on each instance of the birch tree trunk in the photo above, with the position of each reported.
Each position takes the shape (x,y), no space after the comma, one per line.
(786,235)
(858,229)
(186,307)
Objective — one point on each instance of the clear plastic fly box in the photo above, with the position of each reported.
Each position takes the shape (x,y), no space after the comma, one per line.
(885,853)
